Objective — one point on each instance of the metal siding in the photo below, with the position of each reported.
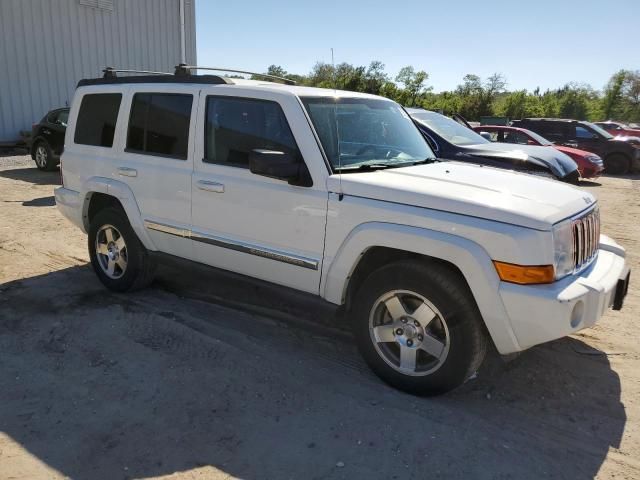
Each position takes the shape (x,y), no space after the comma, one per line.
(46,46)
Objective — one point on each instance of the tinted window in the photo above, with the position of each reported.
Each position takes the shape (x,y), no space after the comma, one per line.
(159,124)
(582,132)
(235,127)
(96,122)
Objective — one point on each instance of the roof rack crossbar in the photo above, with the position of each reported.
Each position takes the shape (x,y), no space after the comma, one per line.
(110,72)
(183,69)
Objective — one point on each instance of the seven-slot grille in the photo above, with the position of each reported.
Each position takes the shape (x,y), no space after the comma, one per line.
(586,237)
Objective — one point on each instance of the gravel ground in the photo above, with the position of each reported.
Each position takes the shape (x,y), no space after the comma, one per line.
(206,375)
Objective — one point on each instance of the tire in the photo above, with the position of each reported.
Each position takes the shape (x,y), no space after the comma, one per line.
(43,156)
(617,164)
(426,290)
(572,178)
(119,259)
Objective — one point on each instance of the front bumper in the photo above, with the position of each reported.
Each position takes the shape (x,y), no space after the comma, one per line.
(68,202)
(540,313)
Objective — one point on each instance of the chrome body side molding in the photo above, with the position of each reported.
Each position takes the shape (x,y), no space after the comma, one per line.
(235,245)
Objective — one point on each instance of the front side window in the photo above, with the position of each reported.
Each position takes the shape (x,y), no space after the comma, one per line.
(236,126)
(583,133)
(159,124)
(96,122)
(361,131)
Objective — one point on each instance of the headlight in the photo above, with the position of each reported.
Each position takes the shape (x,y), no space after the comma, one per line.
(563,249)
(595,159)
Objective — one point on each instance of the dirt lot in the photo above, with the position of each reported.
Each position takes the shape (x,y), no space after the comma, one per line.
(201,377)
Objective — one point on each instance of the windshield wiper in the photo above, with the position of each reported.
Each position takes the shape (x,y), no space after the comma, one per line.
(364,167)
(426,160)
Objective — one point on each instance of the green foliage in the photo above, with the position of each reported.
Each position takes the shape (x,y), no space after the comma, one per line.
(475,97)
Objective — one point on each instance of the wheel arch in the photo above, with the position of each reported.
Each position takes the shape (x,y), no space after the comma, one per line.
(104,192)
(371,245)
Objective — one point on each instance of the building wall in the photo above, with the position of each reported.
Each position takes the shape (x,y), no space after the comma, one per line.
(46,46)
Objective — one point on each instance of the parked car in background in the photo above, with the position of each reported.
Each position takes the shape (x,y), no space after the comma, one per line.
(47,138)
(589,164)
(618,128)
(452,140)
(620,155)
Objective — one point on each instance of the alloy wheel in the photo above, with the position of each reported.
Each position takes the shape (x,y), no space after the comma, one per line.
(111,251)
(409,333)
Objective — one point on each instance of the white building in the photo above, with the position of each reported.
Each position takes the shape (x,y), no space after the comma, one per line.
(46,46)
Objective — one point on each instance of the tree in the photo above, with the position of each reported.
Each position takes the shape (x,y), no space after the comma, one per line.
(413,82)
(375,77)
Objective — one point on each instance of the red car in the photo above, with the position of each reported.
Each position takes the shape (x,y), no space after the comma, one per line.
(589,164)
(617,128)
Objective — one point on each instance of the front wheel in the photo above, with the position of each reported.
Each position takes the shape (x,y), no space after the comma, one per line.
(418,327)
(43,157)
(617,164)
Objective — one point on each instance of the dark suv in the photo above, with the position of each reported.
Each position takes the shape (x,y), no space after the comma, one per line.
(620,154)
(48,138)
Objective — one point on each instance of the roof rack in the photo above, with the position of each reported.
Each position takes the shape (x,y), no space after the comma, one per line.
(110,72)
(181,74)
(183,69)
(110,77)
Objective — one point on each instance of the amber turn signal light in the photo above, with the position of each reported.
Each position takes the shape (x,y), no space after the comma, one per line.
(525,274)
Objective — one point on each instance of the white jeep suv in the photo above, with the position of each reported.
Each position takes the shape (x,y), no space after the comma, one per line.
(336,194)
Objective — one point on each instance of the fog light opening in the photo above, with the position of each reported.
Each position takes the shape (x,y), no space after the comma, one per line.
(577,313)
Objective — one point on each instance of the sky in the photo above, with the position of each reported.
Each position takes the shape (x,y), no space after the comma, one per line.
(545,43)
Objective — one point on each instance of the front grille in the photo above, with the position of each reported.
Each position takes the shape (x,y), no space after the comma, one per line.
(586,238)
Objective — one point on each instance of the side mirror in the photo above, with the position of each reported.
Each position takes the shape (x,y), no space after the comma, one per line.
(280,165)
(486,136)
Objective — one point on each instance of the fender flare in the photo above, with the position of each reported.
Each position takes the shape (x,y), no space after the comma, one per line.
(123,193)
(470,258)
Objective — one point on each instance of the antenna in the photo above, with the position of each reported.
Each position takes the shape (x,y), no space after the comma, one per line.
(335,116)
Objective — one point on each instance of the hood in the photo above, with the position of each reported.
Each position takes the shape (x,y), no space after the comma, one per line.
(576,152)
(473,190)
(627,139)
(548,157)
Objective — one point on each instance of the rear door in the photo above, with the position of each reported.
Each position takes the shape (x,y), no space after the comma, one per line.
(155,160)
(251,224)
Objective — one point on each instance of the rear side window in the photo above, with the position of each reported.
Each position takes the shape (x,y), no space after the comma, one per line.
(159,124)
(96,123)
(236,126)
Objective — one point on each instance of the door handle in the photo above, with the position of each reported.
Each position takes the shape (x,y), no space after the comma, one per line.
(210,186)
(127,172)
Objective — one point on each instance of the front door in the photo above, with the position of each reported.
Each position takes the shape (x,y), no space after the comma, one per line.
(247,223)
(586,139)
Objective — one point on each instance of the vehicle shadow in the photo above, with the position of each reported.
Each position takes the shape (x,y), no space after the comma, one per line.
(32,175)
(589,183)
(98,385)
(40,202)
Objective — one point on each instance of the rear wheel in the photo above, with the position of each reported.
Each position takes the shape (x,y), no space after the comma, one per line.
(44,157)
(118,257)
(617,164)
(418,327)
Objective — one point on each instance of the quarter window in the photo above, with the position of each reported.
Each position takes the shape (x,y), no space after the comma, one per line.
(96,122)
(159,124)
(236,126)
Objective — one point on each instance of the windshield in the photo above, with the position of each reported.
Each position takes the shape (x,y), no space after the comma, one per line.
(359,131)
(449,129)
(598,129)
